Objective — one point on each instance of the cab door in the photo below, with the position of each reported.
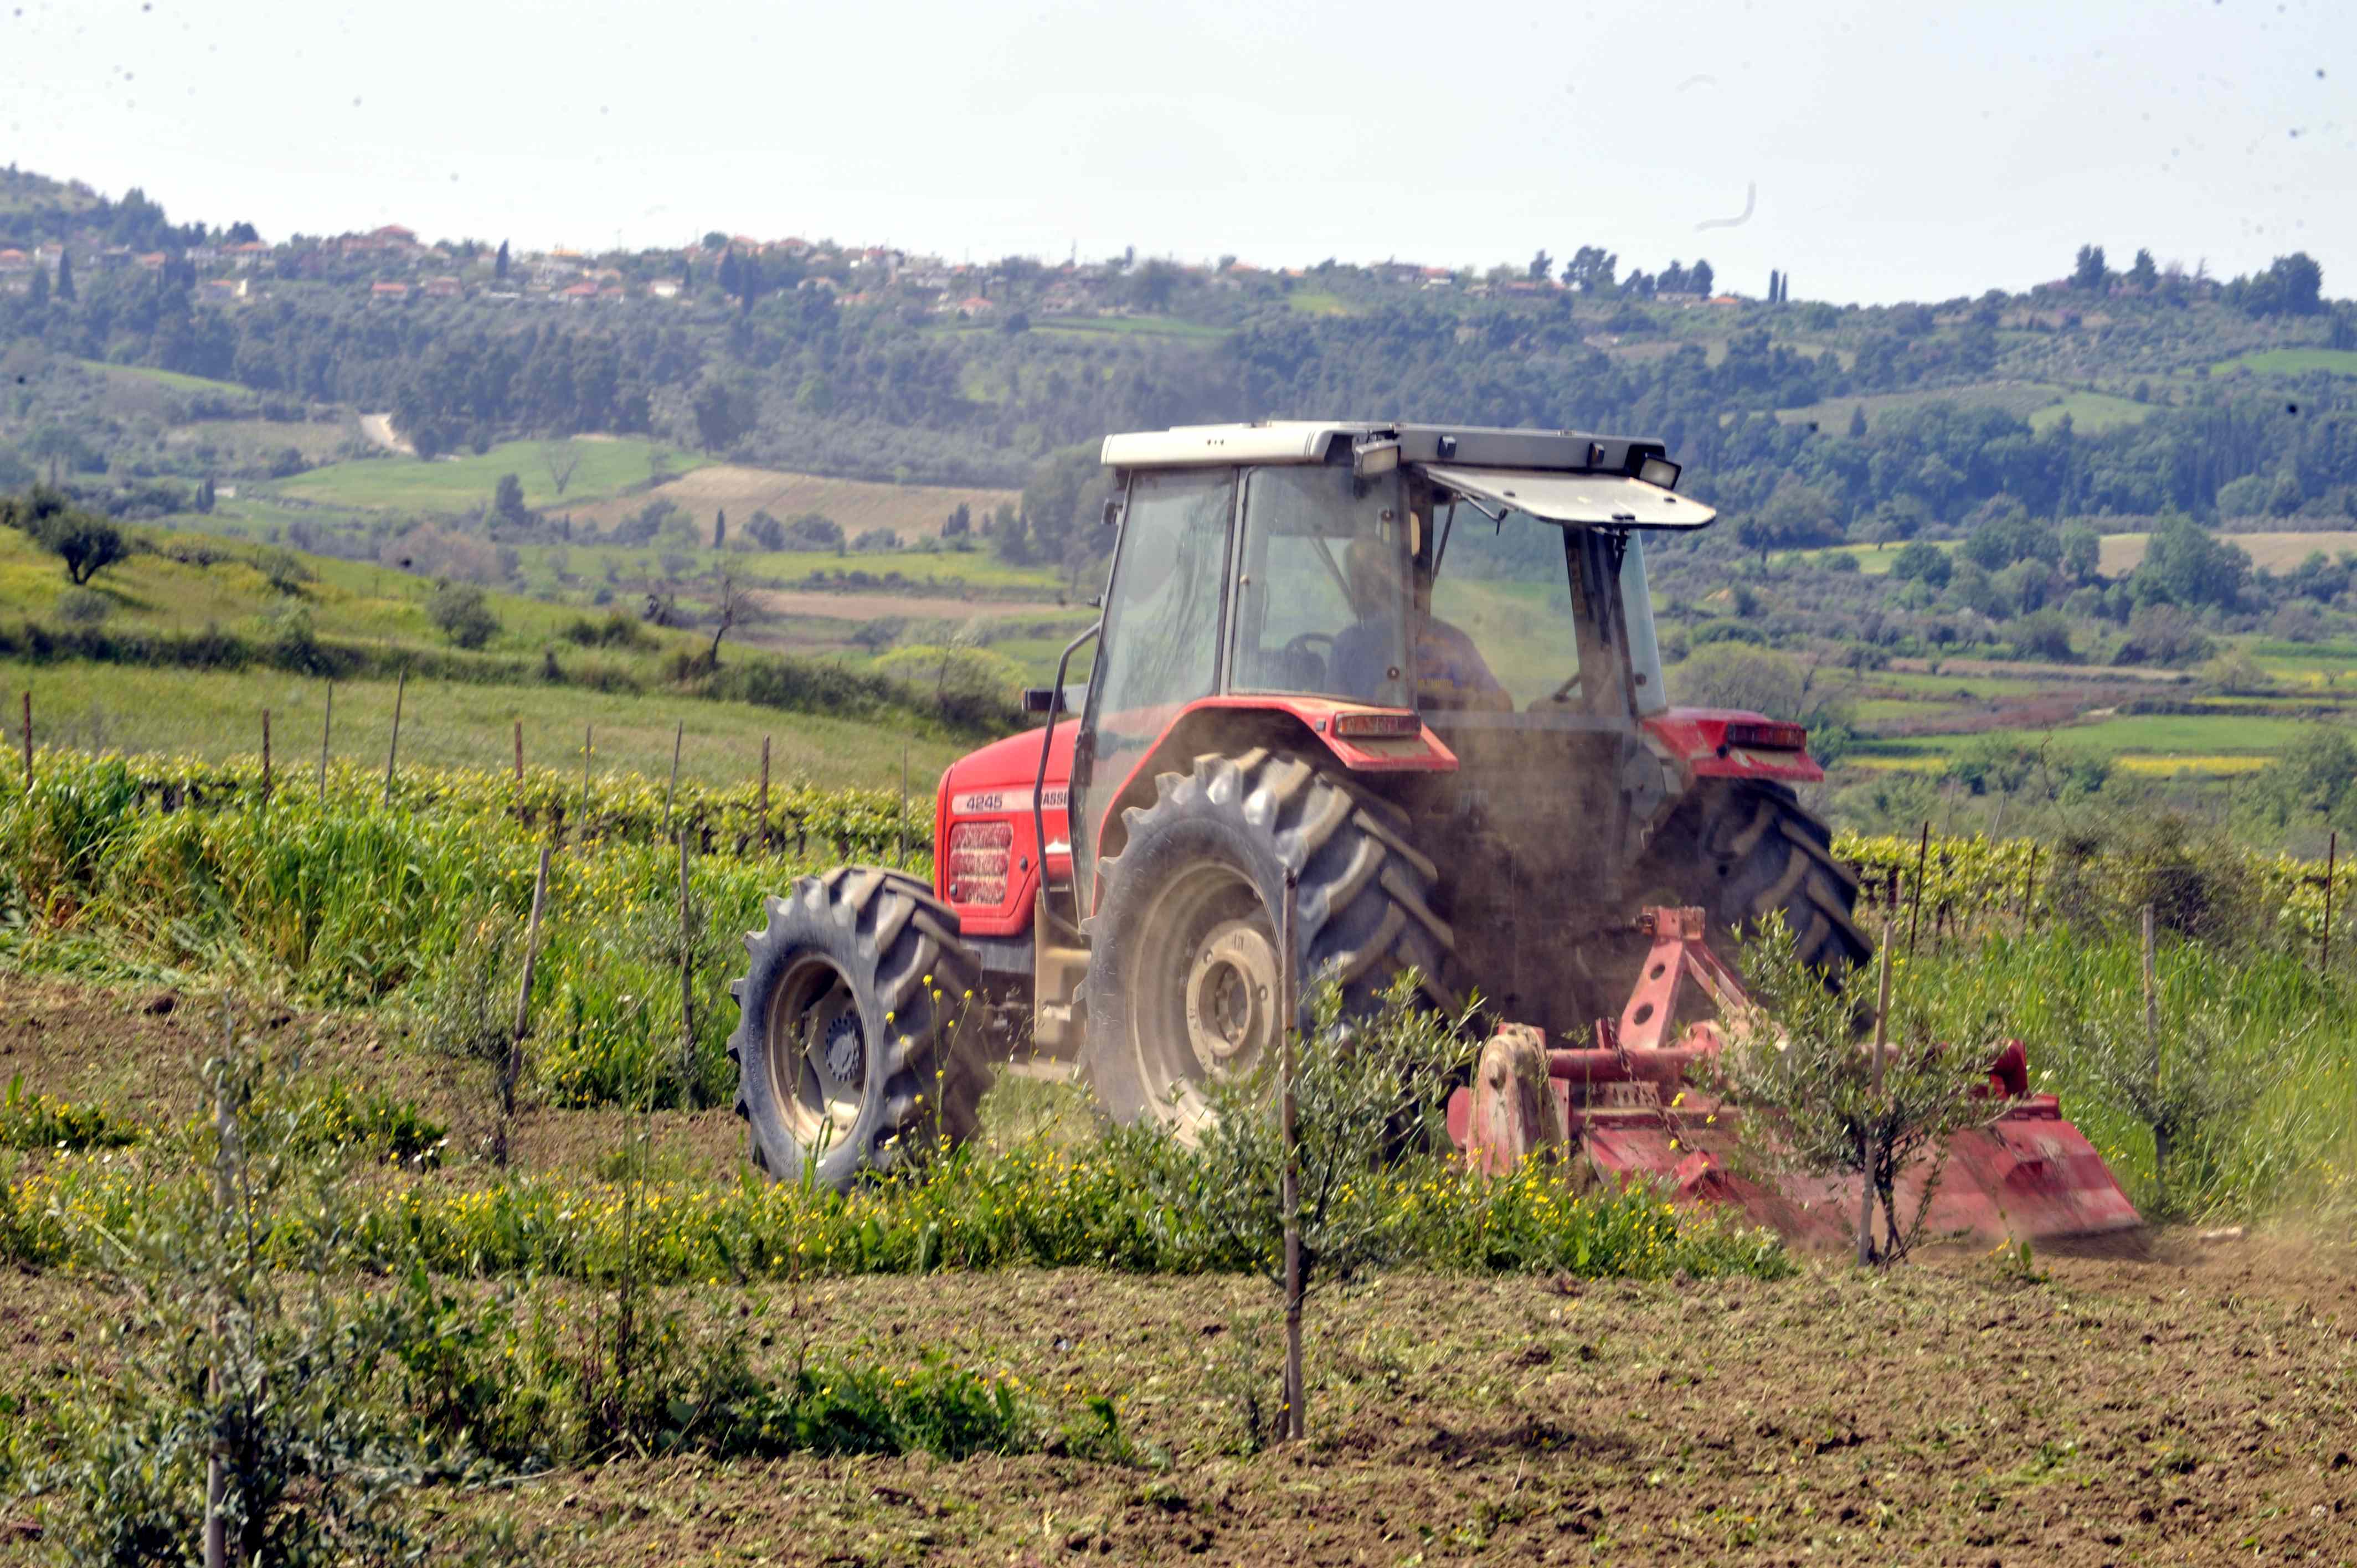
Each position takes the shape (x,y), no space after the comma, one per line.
(1160,647)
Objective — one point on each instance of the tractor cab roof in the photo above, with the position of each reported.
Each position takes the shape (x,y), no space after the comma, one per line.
(1564,477)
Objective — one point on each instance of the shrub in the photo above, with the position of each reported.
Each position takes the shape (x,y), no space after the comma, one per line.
(463,614)
(83,607)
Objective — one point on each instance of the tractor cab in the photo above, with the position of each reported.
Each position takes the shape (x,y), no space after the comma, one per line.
(1488,582)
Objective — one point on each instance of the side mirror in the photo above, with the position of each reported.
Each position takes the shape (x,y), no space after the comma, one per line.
(1111,512)
(1043,699)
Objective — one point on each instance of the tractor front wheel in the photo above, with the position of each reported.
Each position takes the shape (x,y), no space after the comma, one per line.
(853,1046)
(1186,968)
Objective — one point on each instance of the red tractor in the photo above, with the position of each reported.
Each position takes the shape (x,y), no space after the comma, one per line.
(1414,666)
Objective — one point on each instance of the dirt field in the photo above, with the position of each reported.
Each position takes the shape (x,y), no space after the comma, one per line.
(2182,1401)
(2122,553)
(912,512)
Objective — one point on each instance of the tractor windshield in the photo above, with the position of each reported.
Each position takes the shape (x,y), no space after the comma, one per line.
(1321,603)
(1506,586)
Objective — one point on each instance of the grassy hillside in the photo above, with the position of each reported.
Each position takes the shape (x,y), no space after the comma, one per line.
(216,716)
(188,586)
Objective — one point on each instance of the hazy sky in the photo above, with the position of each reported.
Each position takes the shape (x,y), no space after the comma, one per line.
(1899,151)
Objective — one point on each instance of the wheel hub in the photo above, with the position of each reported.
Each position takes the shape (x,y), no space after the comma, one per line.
(846,1051)
(1231,990)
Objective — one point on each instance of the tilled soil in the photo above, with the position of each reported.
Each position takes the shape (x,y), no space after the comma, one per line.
(2172,1400)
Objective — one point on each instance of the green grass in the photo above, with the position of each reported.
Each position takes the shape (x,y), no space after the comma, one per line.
(2018,398)
(216,714)
(2090,412)
(395,483)
(172,379)
(1315,301)
(2291,362)
(2191,735)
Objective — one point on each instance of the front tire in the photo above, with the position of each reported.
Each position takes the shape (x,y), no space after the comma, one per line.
(1184,969)
(853,1047)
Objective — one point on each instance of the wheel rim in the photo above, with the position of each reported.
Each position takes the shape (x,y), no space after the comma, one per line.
(1205,1002)
(818,1053)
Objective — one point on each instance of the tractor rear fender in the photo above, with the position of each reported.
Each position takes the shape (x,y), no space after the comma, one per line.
(1236,724)
(1727,743)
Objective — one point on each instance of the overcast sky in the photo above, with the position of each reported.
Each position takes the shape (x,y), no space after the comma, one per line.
(1897,152)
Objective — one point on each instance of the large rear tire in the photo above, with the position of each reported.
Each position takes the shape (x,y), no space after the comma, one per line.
(854,1044)
(1741,850)
(1184,971)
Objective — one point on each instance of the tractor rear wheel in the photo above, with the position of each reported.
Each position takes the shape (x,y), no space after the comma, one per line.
(1743,849)
(1186,967)
(853,1047)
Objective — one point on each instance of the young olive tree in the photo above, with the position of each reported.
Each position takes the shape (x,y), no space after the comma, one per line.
(1801,1069)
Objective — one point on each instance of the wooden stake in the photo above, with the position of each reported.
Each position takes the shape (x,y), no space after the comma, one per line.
(2332,858)
(216,1477)
(29,743)
(588,745)
(519,751)
(1296,1424)
(1881,1039)
(687,1085)
(266,756)
(400,690)
(326,729)
(511,1071)
(672,794)
(2152,1041)
(761,812)
(1915,916)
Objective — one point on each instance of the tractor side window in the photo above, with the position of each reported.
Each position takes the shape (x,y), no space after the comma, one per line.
(1162,618)
(1322,605)
(1506,586)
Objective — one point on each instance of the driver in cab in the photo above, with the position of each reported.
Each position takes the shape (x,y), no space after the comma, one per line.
(1449,670)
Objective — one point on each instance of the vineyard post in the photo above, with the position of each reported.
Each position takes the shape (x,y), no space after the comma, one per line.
(1881,1039)
(326,729)
(2331,859)
(678,737)
(400,690)
(225,1134)
(589,744)
(265,757)
(1289,1197)
(2152,1044)
(1915,915)
(761,811)
(688,1090)
(519,751)
(2029,887)
(29,743)
(512,1069)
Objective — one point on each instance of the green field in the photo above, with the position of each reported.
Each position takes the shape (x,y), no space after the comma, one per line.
(2090,412)
(216,716)
(2292,362)
(1315,301)
(463,483)
(172,379)
(2191,737)
(2018,398)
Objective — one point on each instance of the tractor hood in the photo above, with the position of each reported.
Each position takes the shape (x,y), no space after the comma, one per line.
(1589,500)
